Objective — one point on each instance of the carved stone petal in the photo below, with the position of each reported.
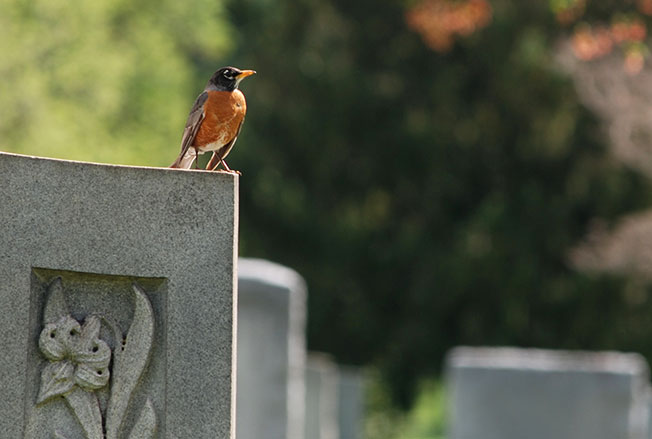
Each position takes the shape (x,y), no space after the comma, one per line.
(56,306)
(56,339)
(50,346)
(95,354)
(90,331)
(56,379)
(91,378)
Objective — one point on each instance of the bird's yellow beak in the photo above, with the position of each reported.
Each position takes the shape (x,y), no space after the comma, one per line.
(244,73)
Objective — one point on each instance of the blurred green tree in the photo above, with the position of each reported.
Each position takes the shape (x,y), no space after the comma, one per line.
(107,80)
(429,198)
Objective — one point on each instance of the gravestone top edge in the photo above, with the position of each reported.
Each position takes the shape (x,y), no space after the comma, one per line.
(262,270)
(321,361)
(534,359)
(215,174)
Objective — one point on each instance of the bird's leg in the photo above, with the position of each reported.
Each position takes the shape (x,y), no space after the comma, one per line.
(227,169)
(214,162)
(196,158)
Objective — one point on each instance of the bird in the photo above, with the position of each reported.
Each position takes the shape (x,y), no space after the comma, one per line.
(215,120)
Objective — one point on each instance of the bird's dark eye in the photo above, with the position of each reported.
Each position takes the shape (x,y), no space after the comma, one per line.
(228,74)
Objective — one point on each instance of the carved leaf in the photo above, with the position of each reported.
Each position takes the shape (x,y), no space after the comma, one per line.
(56,379)
(56,306)
(87,410)
(129,362)
(146,424)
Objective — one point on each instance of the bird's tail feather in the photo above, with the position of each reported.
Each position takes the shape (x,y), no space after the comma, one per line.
(185,161)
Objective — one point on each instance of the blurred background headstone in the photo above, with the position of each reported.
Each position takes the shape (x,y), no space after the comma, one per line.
(508,393)
(351,402)
(322,397)
(271,351)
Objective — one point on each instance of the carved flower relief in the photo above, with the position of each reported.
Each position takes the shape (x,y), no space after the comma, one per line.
(78,365)
(77,357)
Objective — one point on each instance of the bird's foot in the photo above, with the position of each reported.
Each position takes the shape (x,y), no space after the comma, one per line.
(227,171)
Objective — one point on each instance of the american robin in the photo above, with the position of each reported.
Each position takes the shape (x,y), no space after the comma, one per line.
(215,120)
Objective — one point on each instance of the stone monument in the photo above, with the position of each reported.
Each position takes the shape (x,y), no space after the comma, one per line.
(351,394)
(271,351)
(117,289)
(322,397)
(506,393)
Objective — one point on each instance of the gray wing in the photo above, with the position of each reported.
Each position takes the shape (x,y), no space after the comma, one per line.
(192,126)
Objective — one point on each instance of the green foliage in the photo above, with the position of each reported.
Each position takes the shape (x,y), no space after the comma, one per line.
(108,81)
(382,419)
(425,420)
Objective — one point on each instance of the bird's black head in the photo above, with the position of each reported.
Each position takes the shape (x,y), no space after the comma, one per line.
(228,78)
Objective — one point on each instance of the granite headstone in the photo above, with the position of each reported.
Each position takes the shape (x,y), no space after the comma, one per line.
(506,393)
(117,289)
(271,351)
(350,402)
(322,397)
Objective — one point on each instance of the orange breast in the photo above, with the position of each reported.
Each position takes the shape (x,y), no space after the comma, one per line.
(224,112)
